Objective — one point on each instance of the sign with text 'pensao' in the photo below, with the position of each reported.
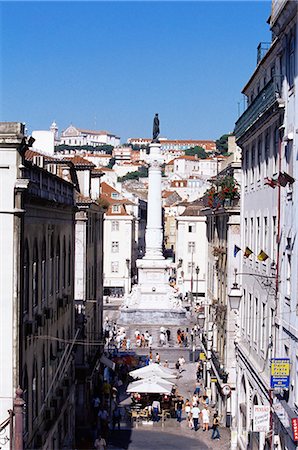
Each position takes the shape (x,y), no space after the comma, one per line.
(261,420)
(280,373)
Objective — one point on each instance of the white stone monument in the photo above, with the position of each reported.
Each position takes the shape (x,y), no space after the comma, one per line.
(153,300)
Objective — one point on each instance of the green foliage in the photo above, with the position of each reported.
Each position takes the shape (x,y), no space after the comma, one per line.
(111,163)
(222,143)
(197,150)
(141,173)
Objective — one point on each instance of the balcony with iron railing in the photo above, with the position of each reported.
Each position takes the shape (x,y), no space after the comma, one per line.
(264,100)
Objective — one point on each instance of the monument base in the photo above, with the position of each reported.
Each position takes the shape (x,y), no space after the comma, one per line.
(162,317)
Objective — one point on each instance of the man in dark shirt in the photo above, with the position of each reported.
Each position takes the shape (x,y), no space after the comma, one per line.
(179,406)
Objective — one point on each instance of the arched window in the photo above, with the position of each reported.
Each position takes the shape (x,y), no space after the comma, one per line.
(43,377)
(57,274)
(26,278)
(69,263)
(25,397)
(34,391)
(51,274)
(276,149)
(43,271)
(35,274)
(64,264)
(259,156)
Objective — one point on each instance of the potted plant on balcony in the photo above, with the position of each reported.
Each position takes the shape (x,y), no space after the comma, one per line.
(229,190)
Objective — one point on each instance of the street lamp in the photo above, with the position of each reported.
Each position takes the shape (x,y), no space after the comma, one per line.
(235,295)
(197,283)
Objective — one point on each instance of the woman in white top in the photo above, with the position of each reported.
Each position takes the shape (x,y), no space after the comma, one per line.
(205,413)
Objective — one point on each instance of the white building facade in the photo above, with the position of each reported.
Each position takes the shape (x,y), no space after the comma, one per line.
(267,134)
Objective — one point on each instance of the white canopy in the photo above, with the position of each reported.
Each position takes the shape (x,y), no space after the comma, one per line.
(151,371)
(152,385)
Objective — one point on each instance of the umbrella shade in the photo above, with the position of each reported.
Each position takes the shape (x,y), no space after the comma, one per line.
(152,385)
(152,370)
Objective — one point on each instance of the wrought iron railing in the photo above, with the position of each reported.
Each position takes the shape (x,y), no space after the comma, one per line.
(264,100)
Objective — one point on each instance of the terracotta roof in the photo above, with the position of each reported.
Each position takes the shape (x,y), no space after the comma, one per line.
(193,208)
(166,194)
(30,154)
(190,158)
(170,163)
(79,161)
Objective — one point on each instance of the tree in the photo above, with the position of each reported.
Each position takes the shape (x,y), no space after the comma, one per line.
(222,143)
(197,150)
(141,173)
(111,163)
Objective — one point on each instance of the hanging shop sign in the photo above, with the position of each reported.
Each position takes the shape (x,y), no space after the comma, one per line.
(261,420)
(202,356)
(280,373)
(295,428)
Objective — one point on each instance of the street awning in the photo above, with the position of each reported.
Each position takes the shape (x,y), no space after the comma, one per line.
(107,362)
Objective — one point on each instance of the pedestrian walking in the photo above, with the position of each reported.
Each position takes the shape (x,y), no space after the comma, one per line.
(100,443)
(162,339)
(195,414)
(205,413)
(155,410)
(181,363)
(187,409)
(168,332)
(215,426)
(178,408)
(116,417)
(157,358)
(166,364)
(146,336)
(150,340)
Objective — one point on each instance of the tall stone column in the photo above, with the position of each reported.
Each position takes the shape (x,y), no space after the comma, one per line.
(154,205)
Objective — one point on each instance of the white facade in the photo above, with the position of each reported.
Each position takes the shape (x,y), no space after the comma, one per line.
(266,132)
(44,142)
(187,166)
(74,136)
(191,251)
(118,253)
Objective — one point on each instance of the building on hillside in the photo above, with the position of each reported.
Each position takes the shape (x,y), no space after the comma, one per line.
(122,153)
(169,203)
(191,250)
(119,244)
(176,144)
(266,133)
(37,261)
(188,189)
(187,166)
(138,208)
(123,168)
(222,213)
(75,137)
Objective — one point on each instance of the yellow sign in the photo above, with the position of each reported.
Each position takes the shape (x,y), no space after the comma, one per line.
(202,356)
(280,367)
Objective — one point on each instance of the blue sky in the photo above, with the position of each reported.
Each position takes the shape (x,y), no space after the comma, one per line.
(112,65)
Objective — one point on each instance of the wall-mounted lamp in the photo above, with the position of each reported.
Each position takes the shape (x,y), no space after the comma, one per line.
(235,295)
